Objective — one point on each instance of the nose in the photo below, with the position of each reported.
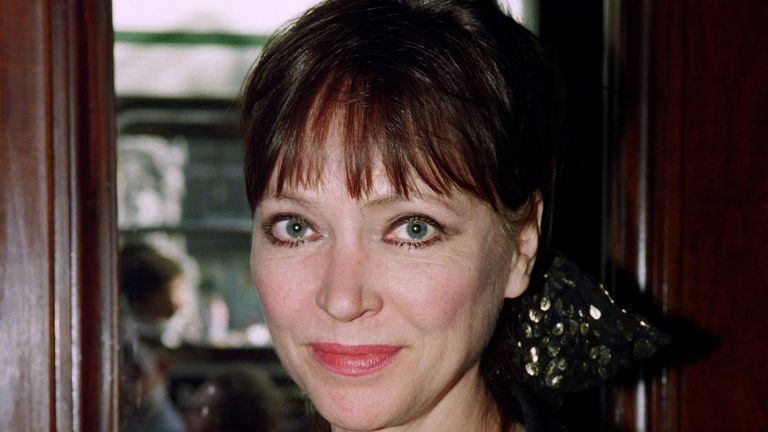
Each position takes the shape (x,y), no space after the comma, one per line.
(349,289)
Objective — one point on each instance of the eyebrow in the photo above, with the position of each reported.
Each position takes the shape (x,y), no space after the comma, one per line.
(294,199)
(397,198)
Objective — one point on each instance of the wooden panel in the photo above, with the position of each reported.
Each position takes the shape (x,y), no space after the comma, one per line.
(629,198)
(644,76)
(690,204)
(25,250)
(95,234)
(664,111)
(57,304)
(725,213)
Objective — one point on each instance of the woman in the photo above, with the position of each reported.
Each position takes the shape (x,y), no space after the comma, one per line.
(399,157)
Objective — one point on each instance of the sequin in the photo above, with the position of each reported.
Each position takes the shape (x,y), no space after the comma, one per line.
(594,312)
(564,339)
(534,354)
(553,350)
(562,364)
(558,329)
(534,315)
(527,330)
(532,369)
(601,354)
(573,327)
(545,303)
(593,353)
(551,376)
(553,381)
(584,328)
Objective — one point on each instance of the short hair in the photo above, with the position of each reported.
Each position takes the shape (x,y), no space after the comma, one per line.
(453,92)
(143,273)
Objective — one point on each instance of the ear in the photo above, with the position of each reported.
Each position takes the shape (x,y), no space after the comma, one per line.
(524,256)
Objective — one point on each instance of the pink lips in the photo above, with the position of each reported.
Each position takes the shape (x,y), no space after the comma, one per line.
(354,360)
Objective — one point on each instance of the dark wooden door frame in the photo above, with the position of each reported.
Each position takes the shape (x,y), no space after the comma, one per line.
(57,191)
(642,117)
(686,201)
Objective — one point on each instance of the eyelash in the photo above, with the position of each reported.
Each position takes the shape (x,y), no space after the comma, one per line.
(268,227)
(415,244)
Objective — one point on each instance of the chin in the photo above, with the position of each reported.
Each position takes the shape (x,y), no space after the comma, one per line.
(361,423)
(358,409)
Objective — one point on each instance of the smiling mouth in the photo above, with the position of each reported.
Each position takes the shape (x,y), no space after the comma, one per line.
(354,360)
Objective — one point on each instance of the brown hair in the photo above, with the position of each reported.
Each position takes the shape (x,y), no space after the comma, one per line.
(452,92)
(145,278)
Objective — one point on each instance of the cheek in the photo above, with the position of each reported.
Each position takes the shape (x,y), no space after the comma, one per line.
(282,285)
(449,292)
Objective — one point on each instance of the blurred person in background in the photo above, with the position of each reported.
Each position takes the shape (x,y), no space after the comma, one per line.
(144,402)
(150,295)
(151,285)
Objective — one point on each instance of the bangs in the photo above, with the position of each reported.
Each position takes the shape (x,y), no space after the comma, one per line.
(376,123)
(416,89)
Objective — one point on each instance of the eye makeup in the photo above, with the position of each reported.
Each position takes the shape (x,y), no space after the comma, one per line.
(289,230)
(418,231)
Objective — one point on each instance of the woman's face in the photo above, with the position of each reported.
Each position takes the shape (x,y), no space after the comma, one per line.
(380,307)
